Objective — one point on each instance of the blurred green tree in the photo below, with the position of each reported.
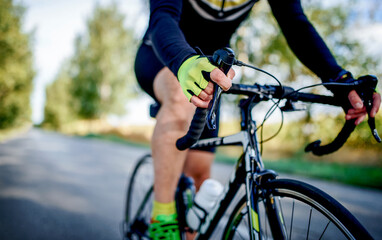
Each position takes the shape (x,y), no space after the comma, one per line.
(260,42)
(99,77)
(16,67)
(58,106)
(101,69)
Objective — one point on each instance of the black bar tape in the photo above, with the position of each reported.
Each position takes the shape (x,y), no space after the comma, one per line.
(313,98)
(196,128)
(337,143)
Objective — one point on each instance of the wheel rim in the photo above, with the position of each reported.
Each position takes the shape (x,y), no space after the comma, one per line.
(302,220)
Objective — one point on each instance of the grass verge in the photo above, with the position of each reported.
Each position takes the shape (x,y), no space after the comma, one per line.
(6,134)
(116,139)
(366,176)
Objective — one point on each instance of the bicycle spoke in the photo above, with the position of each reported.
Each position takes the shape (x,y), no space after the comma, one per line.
(310,218)
(327,225)
(264,224)
(281,210)
(143,204)
(291,220)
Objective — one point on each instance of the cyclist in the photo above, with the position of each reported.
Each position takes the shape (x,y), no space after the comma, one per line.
(171,71)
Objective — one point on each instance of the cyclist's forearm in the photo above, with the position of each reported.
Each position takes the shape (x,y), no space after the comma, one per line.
(167,38)
(303,38)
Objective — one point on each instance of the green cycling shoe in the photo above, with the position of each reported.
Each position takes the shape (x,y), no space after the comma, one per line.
(164,227)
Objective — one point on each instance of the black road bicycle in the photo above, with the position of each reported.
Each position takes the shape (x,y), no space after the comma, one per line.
(268,207)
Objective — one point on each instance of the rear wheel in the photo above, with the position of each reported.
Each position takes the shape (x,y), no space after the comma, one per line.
(305,211)
(139,200)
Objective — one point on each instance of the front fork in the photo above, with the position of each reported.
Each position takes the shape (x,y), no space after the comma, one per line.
(255,196)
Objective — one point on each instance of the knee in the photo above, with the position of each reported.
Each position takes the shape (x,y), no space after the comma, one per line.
(173,121)
(179,109)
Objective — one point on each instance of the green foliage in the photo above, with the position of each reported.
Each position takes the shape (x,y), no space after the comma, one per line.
(101,74)
(260,42)
(326,128)
(58,108)
(99,78)
(16,70)
(362,137)
(367,176)
(335,24)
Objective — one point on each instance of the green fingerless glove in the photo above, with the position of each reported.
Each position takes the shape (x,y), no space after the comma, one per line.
(190,75)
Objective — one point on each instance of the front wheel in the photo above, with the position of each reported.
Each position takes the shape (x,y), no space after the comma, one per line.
(139,199)
(304,211)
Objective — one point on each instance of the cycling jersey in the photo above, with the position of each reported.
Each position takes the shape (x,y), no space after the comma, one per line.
(177,26)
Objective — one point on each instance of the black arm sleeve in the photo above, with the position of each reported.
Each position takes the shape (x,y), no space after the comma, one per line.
(164,32)
(303,39)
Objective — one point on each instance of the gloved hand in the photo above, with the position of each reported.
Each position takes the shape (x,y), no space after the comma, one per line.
(193,75)
(340,92)
(351,102)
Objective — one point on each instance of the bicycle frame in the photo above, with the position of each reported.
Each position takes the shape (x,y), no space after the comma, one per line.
(249,170)
(258,181)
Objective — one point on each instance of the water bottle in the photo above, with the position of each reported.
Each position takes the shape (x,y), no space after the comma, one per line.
(204,201)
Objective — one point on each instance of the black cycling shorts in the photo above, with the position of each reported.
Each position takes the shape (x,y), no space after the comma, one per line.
(147,66)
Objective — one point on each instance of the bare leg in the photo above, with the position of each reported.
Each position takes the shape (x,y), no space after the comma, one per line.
(173,120)
(198,166)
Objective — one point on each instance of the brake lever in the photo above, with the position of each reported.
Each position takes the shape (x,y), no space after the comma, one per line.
(212,108)
(365,90)
(365,87)
(371,122)
(223,59)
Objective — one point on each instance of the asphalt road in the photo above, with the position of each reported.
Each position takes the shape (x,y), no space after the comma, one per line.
(60,187)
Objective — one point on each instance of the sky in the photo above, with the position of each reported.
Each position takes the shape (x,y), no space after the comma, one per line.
(57,22)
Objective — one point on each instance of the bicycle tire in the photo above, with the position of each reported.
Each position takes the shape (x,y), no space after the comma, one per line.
(139,199)
(292,194)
